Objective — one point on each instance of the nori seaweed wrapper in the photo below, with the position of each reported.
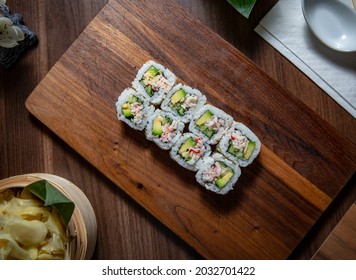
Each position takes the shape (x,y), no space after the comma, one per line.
(8,56)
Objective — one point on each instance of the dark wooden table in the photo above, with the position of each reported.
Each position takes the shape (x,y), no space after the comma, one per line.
(28,146)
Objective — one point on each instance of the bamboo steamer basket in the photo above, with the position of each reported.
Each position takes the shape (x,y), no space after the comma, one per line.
(82,228)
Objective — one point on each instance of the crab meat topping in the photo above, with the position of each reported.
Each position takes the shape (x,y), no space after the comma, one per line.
(169,131)
(214,172)
(211,173)
(136,110)
(197,151)
(239,141)
(215,123)
(158,82)
(190,102)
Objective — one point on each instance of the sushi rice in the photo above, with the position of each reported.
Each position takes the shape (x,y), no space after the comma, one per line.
(236,144)
(154,81)
(183,101)
(210,123)
(137,107)
(189,151)
(239,144)
(164,129)
(218,174)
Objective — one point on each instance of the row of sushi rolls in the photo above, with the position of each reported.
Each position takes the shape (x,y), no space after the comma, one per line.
(200,137)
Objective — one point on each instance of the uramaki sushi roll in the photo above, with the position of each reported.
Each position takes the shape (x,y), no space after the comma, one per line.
(240,144)
(218,174)
(164,129)
(183,101)
(133,109)
(189,151)
(155,81)
(210,123)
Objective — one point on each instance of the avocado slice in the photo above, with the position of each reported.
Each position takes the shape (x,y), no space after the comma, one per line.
(132,99)
(209,132)
(126,110)
(224,179)
(189,143)
(127,113)
(152,71)
(177,96)
(157,127)
(204,118)
(250,147)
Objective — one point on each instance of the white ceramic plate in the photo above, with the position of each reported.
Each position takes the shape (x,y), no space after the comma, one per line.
(332,22)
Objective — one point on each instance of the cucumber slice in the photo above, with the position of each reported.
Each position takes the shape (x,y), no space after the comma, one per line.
(208,132)
(181,111)
(149,90)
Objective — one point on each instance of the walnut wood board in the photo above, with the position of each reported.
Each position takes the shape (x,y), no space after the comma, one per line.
(302,166)
(341,243)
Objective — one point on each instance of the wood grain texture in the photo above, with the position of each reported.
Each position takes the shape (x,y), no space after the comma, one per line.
(18,82)
(341,244)
(26,145)
(279,197)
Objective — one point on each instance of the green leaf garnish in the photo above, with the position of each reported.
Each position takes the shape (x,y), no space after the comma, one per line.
(52,197)
(243,6)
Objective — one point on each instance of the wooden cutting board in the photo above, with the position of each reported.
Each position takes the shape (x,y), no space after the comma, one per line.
(341,243)
(303,162)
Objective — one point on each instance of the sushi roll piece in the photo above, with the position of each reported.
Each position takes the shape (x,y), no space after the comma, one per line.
(240,144)
(164,129)
(189,151)
(218,174)
(154,81)
(133,109)
(210,123)
(183,101)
